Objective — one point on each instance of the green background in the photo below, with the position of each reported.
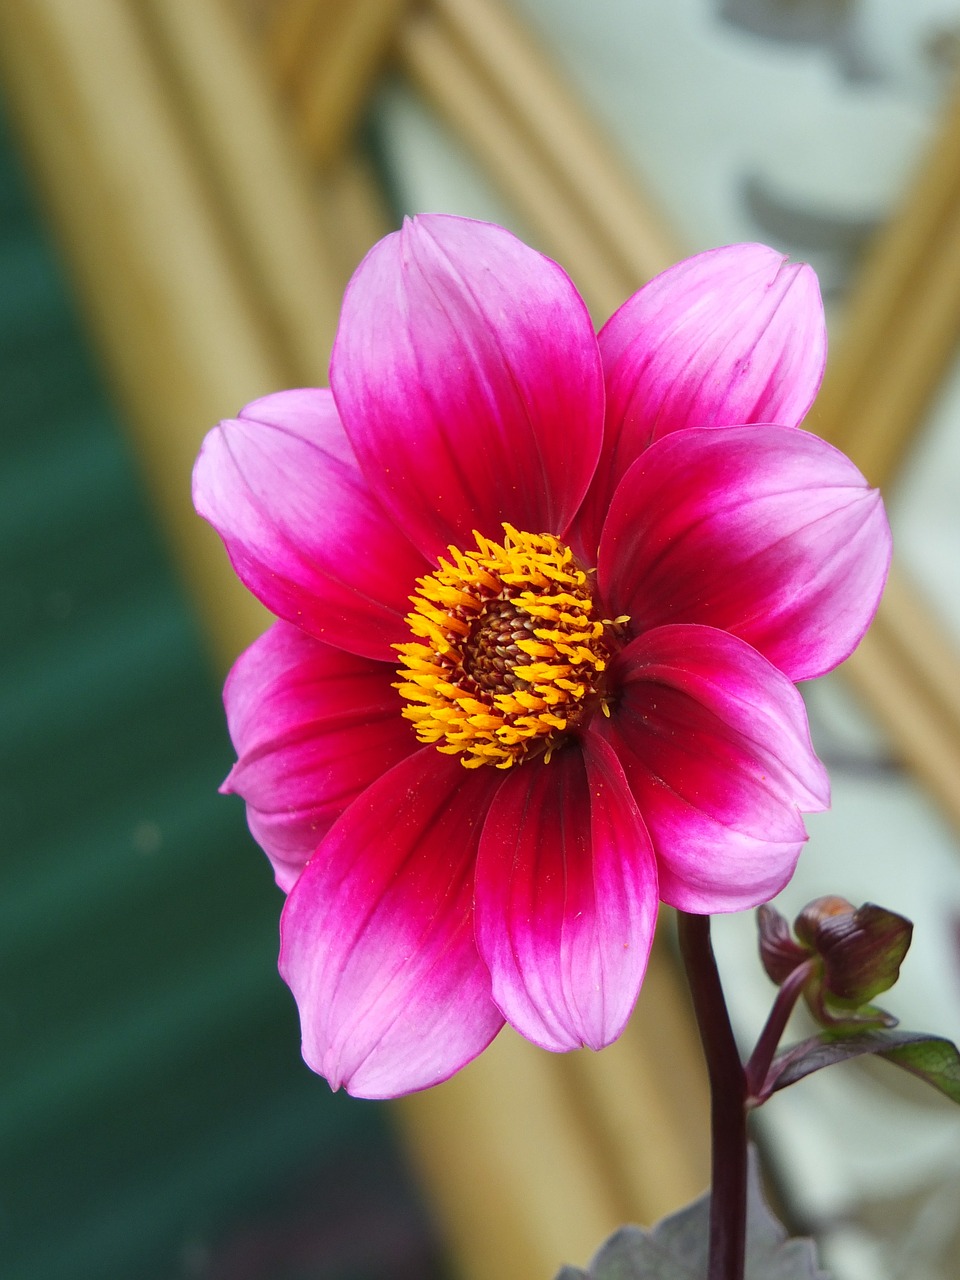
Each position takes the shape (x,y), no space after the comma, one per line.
(155,1117)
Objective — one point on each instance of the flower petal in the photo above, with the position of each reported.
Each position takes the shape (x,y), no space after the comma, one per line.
(281,486)
(377,934)
(714,743)
(467,374)
(312,727)
(566,899)
(734,335)
(767,532)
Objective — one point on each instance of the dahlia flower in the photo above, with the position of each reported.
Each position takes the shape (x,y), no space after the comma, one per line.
(539,624)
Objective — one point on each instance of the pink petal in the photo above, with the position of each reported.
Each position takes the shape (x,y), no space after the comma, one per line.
(312,727)
(468,377)
(767,532)
(566,898)
(715,746)
(377,934)
(281,486)
(735,335)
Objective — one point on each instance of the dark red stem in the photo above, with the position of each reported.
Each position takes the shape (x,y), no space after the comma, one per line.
(759,1065)
(728,1099)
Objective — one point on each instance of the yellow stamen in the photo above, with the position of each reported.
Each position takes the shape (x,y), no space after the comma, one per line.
(508,653)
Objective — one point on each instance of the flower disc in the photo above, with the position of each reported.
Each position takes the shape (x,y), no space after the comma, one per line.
(511,650)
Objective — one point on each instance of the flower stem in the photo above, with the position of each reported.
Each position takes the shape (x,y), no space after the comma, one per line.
(759,1064)
(728,1095)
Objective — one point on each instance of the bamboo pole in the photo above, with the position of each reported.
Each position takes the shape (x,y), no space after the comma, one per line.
(191,232)
(168,303)
(449,82)
(327,56)
(516,1173)
(556,127)
(902,321)
(906,673)
(287,29)
(642,1098)
(900,334)
(264,191)
(352,212)
(534,1158)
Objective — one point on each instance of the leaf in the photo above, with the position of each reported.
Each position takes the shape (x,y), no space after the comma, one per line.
(676,1248)
(931,1058)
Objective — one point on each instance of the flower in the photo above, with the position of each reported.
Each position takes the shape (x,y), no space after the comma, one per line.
(539,624)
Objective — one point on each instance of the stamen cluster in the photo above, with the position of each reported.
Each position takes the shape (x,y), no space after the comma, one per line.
(511,652)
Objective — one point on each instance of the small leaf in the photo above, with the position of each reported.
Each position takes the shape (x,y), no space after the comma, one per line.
(677,1247)
(931,1058)
(779,953)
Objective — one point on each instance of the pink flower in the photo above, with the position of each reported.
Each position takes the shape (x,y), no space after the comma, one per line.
(476,803)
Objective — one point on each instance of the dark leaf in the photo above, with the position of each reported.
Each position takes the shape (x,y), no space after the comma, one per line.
(931,1058)
(676,1248)
(780,954)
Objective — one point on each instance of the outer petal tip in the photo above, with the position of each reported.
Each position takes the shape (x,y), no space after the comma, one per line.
(733,335)
(468,376)
(377,938)
(767,532)
(715,745)
(281,486)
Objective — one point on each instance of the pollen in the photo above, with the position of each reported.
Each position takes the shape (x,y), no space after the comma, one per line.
(508,652)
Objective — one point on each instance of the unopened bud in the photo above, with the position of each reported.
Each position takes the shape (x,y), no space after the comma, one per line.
(858,953)
(862,948)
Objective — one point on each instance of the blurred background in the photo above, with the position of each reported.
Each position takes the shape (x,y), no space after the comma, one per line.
(185,188)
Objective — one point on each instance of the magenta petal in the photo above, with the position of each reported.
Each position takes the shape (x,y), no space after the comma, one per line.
(735,335)
(715,746)
(377,934)
(312,727)
(767,532)
(467,373)
(281,486)
(566,898)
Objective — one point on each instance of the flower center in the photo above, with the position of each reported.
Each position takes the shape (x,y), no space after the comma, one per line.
(510,654)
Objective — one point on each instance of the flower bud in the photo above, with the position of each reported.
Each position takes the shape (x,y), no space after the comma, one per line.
(862,949)
(858,953)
